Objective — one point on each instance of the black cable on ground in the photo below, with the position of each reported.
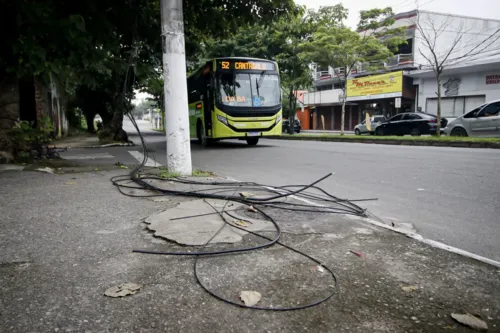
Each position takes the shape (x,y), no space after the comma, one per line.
(300,307)
(140,182)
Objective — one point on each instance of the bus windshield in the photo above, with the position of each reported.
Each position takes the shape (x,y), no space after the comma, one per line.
(248,90)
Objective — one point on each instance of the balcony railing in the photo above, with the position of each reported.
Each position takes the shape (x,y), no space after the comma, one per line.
(330,73)
(399,60)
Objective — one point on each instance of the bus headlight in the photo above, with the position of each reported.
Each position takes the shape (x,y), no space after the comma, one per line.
(222,119)
(278,118)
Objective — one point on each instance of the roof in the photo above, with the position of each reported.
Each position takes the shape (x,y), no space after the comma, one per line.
(487,64)
(457,15)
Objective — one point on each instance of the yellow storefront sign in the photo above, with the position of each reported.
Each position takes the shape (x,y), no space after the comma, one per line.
(376,86)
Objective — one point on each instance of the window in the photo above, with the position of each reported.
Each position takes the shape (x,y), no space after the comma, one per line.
(490,110)
(250,90)
(412,116)
(397,117)
(473,113)
(196,88)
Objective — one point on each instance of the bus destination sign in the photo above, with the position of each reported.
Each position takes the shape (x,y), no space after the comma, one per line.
(246,65)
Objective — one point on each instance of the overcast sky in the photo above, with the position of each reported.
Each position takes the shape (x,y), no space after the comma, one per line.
(478,8)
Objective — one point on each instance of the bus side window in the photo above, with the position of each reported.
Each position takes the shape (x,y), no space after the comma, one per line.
(195,85)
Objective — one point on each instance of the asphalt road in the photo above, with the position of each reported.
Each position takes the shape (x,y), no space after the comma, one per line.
(450,195)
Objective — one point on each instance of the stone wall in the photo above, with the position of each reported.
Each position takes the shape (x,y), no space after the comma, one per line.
(9,111)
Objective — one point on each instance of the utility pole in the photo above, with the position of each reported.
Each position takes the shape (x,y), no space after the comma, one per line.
(175,87)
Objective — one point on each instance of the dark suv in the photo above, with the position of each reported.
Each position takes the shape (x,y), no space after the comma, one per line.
(296,127)
(414,123)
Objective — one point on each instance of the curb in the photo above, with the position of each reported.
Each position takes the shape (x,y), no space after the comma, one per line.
(100,146)
(415,236)
(436,244)
(430,143)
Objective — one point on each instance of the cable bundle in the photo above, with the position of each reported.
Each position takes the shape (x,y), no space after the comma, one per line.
(316,200)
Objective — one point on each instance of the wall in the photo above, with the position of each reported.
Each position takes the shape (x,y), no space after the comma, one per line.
(471,84)
(9,110)
(323,97)
(475,30)
(305,118)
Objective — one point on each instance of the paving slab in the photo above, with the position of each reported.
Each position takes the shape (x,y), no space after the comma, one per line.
(203,224)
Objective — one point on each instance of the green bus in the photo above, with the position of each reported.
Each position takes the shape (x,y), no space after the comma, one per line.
(235,98)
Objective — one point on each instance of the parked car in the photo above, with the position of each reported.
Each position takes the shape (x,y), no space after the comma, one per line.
(374,122)
(482,121)
(414,123)
(296,127)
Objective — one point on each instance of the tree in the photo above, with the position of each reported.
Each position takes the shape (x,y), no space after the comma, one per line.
(338,46)
(280,41)
(107,47)
(447,41)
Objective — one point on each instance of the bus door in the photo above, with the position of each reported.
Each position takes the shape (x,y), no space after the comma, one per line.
(208,104)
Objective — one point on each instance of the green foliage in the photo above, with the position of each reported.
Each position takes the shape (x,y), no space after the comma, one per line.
(102,50)
(339,46)
(201,173)
(165,173)
(27,137)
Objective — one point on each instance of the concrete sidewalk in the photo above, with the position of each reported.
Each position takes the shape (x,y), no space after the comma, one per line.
(65,239)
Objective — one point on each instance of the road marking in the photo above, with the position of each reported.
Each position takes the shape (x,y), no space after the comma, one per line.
(140,157)
(87,156)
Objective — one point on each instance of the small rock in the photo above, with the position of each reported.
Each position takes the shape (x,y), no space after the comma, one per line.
(123,289)
(46,169)
(471,321)
(161,199)
(414,318)
(409,289)
(250,298)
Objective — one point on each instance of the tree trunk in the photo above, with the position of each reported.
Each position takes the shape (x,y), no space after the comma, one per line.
(40,112)
(292,103)
(114,131)
(438,130)
(89,118)
(342,118)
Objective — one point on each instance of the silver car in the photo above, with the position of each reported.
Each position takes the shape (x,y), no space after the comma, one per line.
(482,121)
(374,121)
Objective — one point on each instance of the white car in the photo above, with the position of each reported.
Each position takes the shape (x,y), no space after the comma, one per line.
(482,121)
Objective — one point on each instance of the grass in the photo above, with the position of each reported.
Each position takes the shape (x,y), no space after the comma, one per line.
(400,138)
(165,173)
(201,173)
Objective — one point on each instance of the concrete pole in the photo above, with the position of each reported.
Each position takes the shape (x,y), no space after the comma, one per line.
(175,86)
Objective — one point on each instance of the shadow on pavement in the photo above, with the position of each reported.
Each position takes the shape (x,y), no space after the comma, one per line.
(221,145)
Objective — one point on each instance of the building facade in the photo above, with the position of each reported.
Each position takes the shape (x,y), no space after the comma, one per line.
(462,35)
(463,87)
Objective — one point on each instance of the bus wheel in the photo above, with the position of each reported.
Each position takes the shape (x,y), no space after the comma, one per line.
(252,141)
(200,134)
